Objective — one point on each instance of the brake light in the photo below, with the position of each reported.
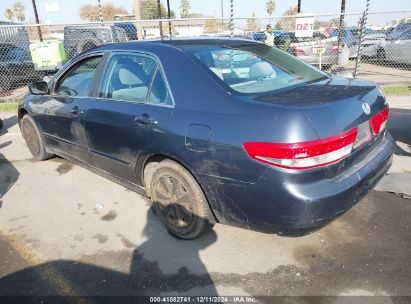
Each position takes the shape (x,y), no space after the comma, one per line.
(379,121)
(334,49)
(303,155)
(298,51)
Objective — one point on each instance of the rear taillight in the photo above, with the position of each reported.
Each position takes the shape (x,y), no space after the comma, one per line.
(298,50)
(303,155)
(317,153)
(379,121)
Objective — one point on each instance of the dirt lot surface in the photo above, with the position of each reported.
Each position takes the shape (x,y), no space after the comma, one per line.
(67,231)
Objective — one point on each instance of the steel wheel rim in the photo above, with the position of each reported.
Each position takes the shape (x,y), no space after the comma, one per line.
(30,135)
(174,201)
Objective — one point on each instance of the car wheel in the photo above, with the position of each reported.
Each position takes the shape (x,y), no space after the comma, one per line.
(179,201)
(33,138)
(381,55)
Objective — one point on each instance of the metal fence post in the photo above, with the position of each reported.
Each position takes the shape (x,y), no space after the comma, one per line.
(100,11)
(231,18)
(160,24)
(359,51)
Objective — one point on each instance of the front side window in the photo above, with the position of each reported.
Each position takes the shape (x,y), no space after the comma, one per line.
(128,77)
(79,80)
(256,68)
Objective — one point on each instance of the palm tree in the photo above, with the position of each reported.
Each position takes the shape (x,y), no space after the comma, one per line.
(270,9)
(9,14)
(19,11)
(185,8)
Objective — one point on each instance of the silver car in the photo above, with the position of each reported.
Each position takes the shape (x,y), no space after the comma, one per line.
(396,49)
(309,50)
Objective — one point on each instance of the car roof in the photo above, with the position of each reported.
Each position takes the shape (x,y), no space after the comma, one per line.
(179,43)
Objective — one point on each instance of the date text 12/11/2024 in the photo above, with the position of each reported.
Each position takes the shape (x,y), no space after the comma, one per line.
(203,299)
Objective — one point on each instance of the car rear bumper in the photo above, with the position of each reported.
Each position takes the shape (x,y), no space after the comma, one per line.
(291,202)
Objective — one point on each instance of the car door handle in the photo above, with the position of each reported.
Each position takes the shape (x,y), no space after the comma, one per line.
(76,111)
(145,120)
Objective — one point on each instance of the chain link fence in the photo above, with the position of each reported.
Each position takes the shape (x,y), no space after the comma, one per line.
(379,51)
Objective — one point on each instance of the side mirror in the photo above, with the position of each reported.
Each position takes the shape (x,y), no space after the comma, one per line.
(39,88)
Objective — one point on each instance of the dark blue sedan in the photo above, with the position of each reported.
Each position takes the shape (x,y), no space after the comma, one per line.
(265,142)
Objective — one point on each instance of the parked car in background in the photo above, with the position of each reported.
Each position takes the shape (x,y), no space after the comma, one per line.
(396,48)
(350,37)
(16,67)
(77,39)
(397,30)
(129,29)
(256,36)
(282,147)
(306,48)
(371,42)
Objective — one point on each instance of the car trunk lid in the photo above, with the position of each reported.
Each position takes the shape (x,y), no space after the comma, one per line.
(337,105)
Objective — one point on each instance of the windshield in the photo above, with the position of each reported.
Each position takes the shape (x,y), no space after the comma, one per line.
(256,68)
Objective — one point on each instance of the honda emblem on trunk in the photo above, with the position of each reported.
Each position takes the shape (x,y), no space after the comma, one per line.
(366,108)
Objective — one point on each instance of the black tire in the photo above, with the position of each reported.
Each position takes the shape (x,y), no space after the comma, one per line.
(179,201)
(88,44)
(381,55)
(33,138)
(1,124)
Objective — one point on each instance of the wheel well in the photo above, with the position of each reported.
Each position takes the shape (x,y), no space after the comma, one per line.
(21,114)
(148,171)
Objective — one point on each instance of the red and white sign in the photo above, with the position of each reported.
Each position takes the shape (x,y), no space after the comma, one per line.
(304,26)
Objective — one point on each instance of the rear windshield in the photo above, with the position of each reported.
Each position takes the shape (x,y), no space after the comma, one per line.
(256,68)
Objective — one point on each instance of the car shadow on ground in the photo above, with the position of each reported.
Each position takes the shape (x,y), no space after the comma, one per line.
(8,173)
(399,126)
(184,270)
(8,123)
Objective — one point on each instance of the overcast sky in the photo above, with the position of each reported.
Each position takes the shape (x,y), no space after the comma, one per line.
(65,11)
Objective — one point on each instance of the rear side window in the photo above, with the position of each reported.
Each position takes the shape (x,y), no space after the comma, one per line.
(256,68)
(159,93)
(128,77)
(78,81)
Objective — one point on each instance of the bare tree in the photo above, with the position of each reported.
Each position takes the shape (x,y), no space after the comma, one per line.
(288,23)
(90,12)
(212,26)
(270,9)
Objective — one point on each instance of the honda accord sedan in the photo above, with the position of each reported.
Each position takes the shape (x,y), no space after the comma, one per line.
(267,143)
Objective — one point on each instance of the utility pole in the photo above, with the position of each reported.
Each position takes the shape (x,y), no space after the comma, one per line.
(341,25)
(137,15)
(299,6)
(159,17)
(36,16)
(169,17)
